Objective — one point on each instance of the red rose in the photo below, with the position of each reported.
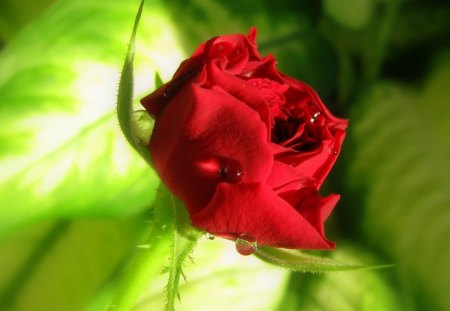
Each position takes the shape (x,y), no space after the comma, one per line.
(245,147)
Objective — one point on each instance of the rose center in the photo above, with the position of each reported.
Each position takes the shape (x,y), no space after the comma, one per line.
(272,92)
(301,130)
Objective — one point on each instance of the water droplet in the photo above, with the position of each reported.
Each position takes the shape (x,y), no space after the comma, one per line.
(246,244)
(314,117)
(332,151)
(210,236)
(165,95)
(231,171)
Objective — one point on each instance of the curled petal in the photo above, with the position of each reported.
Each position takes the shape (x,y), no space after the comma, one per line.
(254,209)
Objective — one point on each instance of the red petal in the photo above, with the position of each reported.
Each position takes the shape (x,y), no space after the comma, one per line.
(334,122)
(311,206)
(314,165)
(254,209)
(239,88)
(196,132)
(284,177)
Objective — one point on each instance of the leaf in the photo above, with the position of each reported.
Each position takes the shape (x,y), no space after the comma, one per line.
(62,265)
(399,168)
(413,28)
(219,278)
(351,14)
(299,261)
(15,14)
(63,154)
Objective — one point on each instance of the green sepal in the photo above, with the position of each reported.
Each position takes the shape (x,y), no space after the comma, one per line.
(142,127)
(125,114)
(158,80)
(299,261)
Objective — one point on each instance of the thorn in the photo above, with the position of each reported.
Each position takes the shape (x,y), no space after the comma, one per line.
(183,275)
(191,259)
(165,270)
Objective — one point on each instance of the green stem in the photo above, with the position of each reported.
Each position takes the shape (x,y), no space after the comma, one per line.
(185,238)
(146,265)
(150,257)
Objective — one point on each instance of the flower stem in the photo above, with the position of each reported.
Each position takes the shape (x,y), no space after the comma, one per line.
(147,264)
(151,256)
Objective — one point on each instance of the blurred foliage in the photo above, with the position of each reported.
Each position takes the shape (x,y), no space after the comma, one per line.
(75,197)
(348,291)
(15,14)
(405,168)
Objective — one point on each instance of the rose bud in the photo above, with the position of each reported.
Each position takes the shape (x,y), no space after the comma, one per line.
(245,147)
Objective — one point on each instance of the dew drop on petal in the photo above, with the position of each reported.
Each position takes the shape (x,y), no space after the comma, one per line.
(246,244)
(314,117)
(209,236)
(332,151)
(231,171)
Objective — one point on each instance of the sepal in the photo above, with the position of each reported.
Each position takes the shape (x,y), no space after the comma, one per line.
(302,262)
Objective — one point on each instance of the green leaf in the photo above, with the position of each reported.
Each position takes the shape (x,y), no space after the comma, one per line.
(299,261)
(399,168)
(15,14)
(62,265)
(351,14)
(218,278)
(63,154)
(413,28)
